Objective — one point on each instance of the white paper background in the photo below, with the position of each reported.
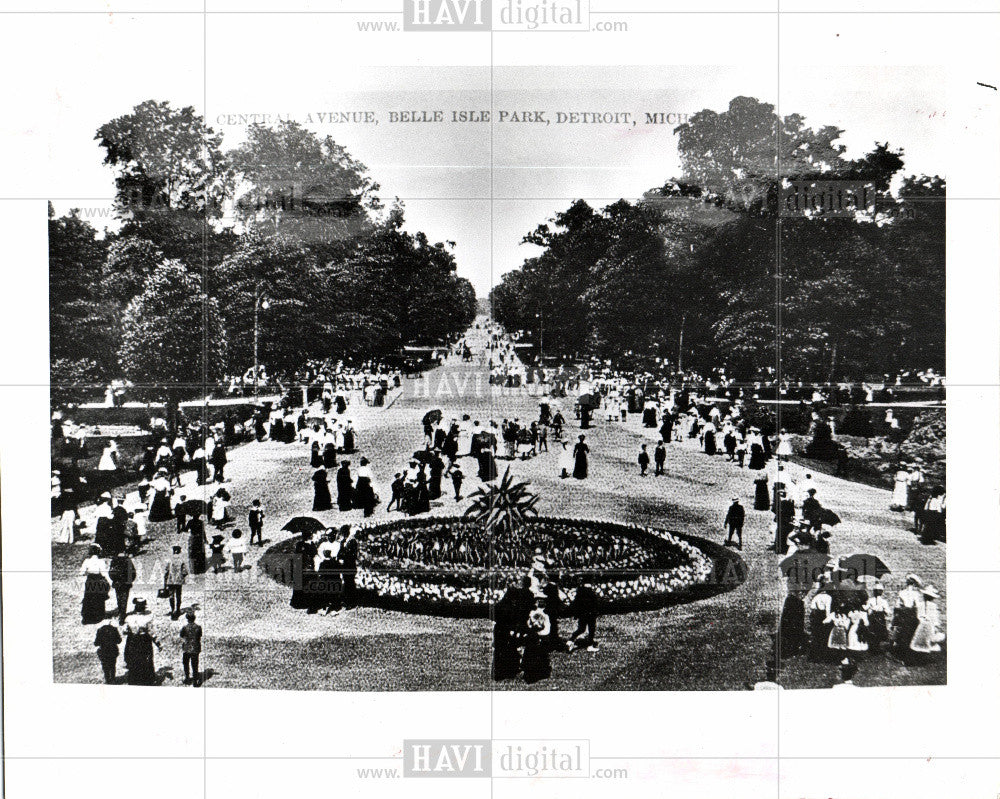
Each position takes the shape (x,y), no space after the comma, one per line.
(903,742)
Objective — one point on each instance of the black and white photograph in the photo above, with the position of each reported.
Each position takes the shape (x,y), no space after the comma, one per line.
(389,368)
(692,438)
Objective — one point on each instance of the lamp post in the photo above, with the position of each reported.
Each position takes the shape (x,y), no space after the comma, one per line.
(259,303)
(540,316)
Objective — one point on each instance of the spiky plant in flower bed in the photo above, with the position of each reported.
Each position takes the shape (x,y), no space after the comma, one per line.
(502,509)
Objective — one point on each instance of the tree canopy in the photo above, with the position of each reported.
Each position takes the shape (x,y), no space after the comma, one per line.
(701,269)
(170,296)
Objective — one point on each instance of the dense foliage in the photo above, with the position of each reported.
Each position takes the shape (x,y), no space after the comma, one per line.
(287,223)
(700,270)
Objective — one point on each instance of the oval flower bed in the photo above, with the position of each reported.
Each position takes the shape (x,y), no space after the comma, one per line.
(451,566)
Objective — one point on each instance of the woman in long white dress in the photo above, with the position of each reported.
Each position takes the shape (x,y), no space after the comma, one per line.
(67,526)
(856,637)
(927,638)
(784,449)
(566,461)
(900,490)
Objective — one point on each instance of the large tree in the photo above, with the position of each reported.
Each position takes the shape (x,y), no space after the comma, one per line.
(278,283)
(165,158)
(291,181)
(82,323)
(172,332)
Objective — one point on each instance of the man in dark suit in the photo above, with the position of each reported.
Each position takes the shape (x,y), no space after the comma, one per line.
(584,607)
(734,523)
(659,458)
(349,567)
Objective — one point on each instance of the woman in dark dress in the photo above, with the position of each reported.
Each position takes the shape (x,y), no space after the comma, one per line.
(649,417)
(364,494)
(305,549)
(329,596)
(487,465)
(710,448)
(95,588)
(422,500)
(321,488)
(580,459)
(159,510)
(349,440)
(506,658)
(757,459)
(315,456)
(329,455)
(785,521)
(139,658)
(761,494)
(341,403)
(345,487)
(437,469)
(792,627)
(195,529)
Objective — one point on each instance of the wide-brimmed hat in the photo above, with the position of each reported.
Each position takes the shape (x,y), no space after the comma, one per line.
(140,604)
(930,591)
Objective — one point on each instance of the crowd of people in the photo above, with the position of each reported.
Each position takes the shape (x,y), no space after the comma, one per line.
(526,625)
(826,621)
(837,619)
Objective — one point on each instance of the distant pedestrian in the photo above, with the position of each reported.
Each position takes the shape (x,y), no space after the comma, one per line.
(238,549)
(107,640)
(174,578)
(255,520)
(456,481)
(659,458)
(584,607)
(397,486)
(734,523)
(190,635)
(122,573)
(643,461)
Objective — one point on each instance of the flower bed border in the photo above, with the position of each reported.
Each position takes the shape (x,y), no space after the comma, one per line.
(719,569)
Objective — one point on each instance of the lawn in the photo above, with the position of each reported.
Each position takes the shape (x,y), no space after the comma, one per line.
(253,639)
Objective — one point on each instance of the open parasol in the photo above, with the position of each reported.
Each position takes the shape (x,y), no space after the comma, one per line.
(304,524)
(864,565)
(803,567)
(192,507)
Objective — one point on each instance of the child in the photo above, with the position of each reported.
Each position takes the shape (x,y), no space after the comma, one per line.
(238,549)
(256,522)
(456,480)
(217,547)
(181,513)
(220,509)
